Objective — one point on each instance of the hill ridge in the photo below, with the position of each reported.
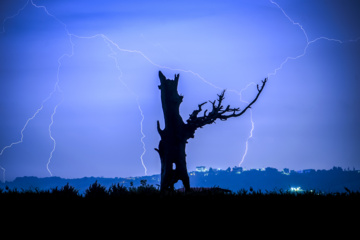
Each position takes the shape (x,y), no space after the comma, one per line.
(235,179)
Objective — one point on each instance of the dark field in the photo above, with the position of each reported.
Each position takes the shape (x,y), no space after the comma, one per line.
(146,205)
(149,193)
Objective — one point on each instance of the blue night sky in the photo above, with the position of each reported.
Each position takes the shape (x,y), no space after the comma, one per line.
(79,83)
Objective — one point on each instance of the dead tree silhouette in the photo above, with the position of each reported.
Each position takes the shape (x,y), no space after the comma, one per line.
(176,133)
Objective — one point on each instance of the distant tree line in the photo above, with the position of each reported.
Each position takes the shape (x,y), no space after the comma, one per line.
(234,179)
(325,181)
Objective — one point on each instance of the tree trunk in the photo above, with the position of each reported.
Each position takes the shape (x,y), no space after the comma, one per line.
(176,133)
(173,137)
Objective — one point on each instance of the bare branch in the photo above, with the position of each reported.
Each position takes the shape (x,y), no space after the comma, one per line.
(196,112)
(218,111)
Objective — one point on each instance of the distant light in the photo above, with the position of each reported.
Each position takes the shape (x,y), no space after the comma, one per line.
(296,189)
(201,169)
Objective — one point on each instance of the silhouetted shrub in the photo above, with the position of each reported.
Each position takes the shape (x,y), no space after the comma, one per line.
(96,191)
(66,191)
(118,190)
(146,189)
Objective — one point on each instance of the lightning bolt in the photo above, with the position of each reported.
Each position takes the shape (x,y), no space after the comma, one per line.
(57,88)
(142,138)
(52,138)
(13,16)
(274,72)
(308,42)
(29,119)
(112,46)
(22,136)
(252,124)
(113,56)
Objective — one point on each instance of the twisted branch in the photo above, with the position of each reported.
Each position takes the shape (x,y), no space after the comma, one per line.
(218,111)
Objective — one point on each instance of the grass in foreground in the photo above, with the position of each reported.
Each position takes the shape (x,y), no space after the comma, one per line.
(147,192)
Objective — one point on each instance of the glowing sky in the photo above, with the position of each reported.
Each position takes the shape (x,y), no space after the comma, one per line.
(80,79)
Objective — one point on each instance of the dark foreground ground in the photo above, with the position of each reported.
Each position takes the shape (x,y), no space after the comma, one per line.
(145,207)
